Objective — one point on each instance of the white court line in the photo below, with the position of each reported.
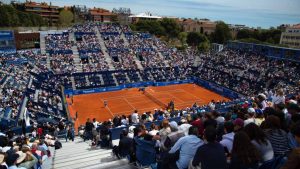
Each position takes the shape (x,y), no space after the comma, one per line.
(192,95)
(106,107)
(129,104)
(118,97)
(176,97)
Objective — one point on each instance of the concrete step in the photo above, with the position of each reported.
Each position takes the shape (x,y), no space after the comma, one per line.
(115,79)
(87,80)
(127,77)
(77,59)
(125,40)
(139,75)
(101,79)
(42,44)
(162,57)
(73,83)
(48,62)
(80,155)
(104,50)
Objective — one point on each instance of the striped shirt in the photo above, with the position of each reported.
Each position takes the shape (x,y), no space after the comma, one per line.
(279,141)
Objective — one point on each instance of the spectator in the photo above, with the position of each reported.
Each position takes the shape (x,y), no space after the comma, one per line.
(277,136)
(164,131)
(212,154)
(88,130)
(198,123)
(153,130)
(186,146)
(293,161)
(250,115)
(135,117)
(244,154)
(238,124)
(173,137)
(125,145)
(228,137)
(260,141)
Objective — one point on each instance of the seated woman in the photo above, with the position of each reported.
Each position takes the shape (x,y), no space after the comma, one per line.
(260,141)
(277,137)
(244,154)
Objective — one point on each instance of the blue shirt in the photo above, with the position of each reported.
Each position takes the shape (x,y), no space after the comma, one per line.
(188,146)
(292,141)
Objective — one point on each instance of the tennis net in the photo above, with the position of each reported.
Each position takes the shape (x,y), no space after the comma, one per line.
(161,104)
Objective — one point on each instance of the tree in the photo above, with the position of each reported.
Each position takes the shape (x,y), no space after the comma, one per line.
(195,38)
(171,27)
(222,33)
(152,27)
(204,46)
(65,17)
(243,34)
(182,36)
(5,18)
(10,17)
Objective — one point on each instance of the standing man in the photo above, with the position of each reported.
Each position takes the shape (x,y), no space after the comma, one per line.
(105,103)
(88,129)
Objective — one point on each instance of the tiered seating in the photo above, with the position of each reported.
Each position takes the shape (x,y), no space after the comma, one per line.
(58,43)
(80,82)
(38,59)
(249,72)
(142,45)
(13,91)
(62,63)
(121,55)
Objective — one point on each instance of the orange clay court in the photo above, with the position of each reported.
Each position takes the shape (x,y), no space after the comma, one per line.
(127,100)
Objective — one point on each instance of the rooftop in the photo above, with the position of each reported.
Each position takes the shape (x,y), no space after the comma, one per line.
(145,15)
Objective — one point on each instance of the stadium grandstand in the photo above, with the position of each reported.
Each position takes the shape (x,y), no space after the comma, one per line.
(100,95)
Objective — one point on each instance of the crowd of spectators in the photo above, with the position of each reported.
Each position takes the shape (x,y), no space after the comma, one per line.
(249,73)
(120,52)
(62,63)
(248,135)
(32,150)
(12,89)
(86,28)
(38,60)
(58,42)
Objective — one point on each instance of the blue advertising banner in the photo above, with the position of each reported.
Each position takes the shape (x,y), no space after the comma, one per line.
(7,42)
(6,35)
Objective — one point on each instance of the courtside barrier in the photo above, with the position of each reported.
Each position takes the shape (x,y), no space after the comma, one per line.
(124,86)
(206,84)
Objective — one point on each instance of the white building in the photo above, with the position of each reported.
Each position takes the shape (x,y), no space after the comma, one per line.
(291,36)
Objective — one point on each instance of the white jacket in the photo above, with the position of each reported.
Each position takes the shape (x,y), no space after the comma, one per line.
(227,140)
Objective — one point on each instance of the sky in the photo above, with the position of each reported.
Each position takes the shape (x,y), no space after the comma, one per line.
(253,13)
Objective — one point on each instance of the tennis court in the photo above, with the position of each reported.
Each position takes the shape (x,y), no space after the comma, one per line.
(127,100)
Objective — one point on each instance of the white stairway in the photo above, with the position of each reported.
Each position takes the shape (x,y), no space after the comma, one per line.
(139,75)
(197,60)
(80,155)
(42,44)
(161,56)
(76,59)
(115,79)
(73,83)
(48,61)
(101,79)
(87,80)
(104,50)
(138,62)
(124,38)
